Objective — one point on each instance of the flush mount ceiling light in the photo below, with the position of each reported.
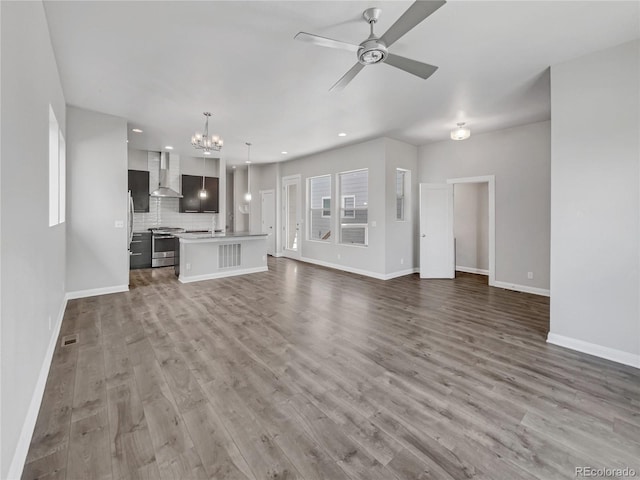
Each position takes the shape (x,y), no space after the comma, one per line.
(284,153)
(460,132)
(342,134)
(169,147)
(204,141)
(136,130)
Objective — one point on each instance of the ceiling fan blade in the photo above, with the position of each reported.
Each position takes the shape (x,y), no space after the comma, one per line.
(325,42)
(347,77)
(422,70)
(415,14)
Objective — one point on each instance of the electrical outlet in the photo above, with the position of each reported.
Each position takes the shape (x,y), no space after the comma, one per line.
(264,257)
(529,275)
(119,224)
(374,224)
(49,322)
(402,261)
(188,266)
(339,256)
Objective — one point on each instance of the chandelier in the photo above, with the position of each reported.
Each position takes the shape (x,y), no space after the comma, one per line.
(204,141)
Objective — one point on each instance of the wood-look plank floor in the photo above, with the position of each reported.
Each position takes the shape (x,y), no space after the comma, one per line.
(307,372)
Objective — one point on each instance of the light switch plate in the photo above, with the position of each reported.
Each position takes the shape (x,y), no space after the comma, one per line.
(119,224)
(373,224)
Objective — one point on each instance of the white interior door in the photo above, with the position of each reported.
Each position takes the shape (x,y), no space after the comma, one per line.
(292,217)
(436,231)
(269,219)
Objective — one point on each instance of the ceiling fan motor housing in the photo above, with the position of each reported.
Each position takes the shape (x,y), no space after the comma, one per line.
(372,50)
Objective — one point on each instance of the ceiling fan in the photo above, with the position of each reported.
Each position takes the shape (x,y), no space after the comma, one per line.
(375,49)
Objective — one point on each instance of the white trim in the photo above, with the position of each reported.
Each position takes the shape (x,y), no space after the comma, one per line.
(92,292)
(523,288)
(401,273)
(28,426)
(212,276)
(607,353)
(491,180)
(357,271)
(477,271)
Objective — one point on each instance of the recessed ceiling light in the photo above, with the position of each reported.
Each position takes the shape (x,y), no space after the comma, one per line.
(284,153)
(137,130)
(169,147)
(233,168)
(342,134)
(247,161)
(206,153)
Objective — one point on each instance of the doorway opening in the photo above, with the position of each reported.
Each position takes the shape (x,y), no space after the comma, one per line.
(474,225)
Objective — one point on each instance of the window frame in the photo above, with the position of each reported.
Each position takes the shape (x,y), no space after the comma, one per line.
(406,178)
(309,209)
(340,216)
(326,209)
(343,207)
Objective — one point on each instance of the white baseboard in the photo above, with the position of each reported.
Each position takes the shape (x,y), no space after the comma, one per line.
(277,254)
(212,276)
(607,353)
(29,424)
(522,288)
(477,271)
(401,273)
(97,291)
(357,271)
(344,268)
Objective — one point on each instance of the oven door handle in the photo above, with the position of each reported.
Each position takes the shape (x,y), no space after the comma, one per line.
(163,236)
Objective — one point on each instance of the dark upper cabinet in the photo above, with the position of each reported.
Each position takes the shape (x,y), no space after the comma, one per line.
(139,186)
(191,201)
(210,204)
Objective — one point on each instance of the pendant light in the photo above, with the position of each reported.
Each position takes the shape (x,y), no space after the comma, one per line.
(203,192)
(247,196)
(461,132)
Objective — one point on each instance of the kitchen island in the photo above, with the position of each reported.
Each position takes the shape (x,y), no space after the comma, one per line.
(204,256)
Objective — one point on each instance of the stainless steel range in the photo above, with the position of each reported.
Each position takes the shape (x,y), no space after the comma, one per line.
(163,246)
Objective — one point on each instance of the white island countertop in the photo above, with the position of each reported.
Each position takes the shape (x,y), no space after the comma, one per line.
(207,236)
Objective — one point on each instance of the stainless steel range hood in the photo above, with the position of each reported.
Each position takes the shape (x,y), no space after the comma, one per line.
(163,190)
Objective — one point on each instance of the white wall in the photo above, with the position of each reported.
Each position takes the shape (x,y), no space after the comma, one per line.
(471,225)
(595,203)
(33,254)
(97,259)
(520,159)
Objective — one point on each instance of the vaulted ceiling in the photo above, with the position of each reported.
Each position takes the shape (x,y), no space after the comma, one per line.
(161,64)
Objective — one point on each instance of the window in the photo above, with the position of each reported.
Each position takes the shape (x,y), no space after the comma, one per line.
(57,172)
(402,187)
(354,198)
(348,205)
(320,208)
(326,206)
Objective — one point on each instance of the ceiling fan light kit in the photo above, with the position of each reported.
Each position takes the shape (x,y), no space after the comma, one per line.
(375,49)
(460,132)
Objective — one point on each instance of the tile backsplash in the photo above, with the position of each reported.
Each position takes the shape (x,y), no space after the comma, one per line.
(164,212)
